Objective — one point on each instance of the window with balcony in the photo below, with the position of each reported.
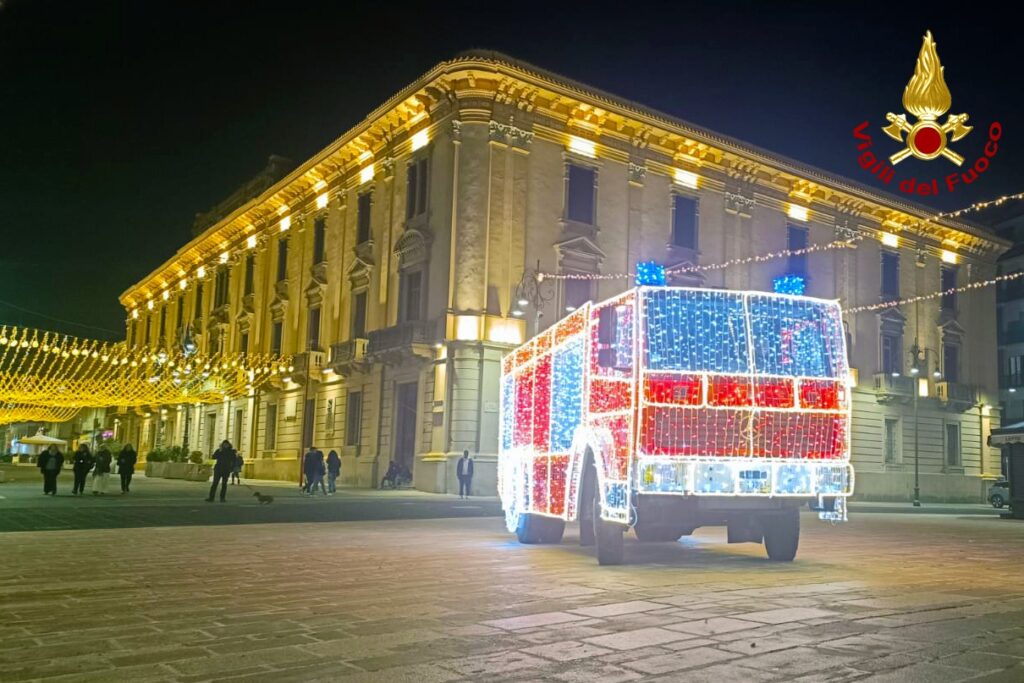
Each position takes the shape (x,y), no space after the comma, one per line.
(891,353)
(363,209)
(890,275)
(951,362)
(891,448)
(575,293)
(282,259)
(220,291)
(319,240)
(313,335)
(410,297)
(250,273)
(947,281)
(797,239)
(197,302)
(353,418)
(684,222)
(952,444)
(359,316)
(416,189)
(581,194)
(270,430)
(276,334)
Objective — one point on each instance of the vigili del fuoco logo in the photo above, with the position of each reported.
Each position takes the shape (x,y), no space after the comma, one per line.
(926,98)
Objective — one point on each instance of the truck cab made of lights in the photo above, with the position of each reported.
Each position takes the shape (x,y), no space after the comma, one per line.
(665,409)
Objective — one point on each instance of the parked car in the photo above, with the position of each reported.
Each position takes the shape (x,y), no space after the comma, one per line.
(999,494)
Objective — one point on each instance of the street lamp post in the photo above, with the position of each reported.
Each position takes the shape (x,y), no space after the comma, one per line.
(920,362)
(533,290)
(188,347)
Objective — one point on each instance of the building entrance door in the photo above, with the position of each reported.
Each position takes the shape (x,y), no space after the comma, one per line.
(405,424)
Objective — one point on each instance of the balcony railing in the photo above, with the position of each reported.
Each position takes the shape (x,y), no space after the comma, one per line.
(890,387)
(308,363)
(403,337)
(956,395)
(348,355)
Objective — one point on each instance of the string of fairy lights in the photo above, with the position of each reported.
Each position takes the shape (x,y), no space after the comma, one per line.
(46,376)
(849,243)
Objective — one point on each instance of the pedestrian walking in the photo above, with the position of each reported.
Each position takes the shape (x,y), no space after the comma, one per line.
(333,472)
(49,463)
(464,471)
(101,471)
(126,460)
(236,471)
(225,457)
(308,468)
(81,463)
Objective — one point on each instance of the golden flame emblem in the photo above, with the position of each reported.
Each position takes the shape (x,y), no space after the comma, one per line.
(927,97)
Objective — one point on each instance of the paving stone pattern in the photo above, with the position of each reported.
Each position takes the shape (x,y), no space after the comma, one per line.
(883,598)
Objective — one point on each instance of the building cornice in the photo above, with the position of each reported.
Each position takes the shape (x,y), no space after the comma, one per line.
(475,85)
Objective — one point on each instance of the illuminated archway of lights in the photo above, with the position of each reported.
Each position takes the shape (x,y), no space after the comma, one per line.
(45,376)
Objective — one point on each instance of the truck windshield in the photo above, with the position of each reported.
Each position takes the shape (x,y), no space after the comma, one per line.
(695,331)
(708,331)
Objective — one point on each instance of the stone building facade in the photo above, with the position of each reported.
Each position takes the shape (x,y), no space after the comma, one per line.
(389,265)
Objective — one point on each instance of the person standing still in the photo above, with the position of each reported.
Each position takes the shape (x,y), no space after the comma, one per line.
(81,463)
(101,472)
(318,472)
(236,471)
(464,471)
(225,457)
(126,460)
(333,472)
(49,463)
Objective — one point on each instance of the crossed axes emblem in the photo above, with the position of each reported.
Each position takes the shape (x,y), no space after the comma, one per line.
(926,139)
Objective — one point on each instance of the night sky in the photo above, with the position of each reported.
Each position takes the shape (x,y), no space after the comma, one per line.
(120,120)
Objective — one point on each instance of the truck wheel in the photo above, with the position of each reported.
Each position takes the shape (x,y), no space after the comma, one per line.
(535,528)
(608,536)
(782,534)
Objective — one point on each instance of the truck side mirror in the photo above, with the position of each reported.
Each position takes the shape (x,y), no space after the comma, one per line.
(607,325)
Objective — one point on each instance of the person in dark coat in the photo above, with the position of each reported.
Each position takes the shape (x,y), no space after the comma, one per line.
(391,476)
(81,463)
(101,471)
(225,458)
(126,460)
(49,463)
(318,468)
(236,471)
(464,471)
(333,472)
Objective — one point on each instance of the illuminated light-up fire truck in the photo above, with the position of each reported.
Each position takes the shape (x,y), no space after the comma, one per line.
(667,408)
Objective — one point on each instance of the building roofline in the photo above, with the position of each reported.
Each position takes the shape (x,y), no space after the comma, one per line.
(494,60)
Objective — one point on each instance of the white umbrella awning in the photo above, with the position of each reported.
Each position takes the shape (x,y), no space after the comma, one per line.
(42,440)
(1007,435)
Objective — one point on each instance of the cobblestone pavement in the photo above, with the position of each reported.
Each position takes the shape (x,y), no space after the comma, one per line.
(885,597)
(163,502)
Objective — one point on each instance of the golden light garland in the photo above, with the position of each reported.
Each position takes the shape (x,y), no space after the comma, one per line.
(13,412)
(42,371)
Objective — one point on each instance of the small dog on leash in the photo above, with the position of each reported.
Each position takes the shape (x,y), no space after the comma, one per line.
(263,498)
